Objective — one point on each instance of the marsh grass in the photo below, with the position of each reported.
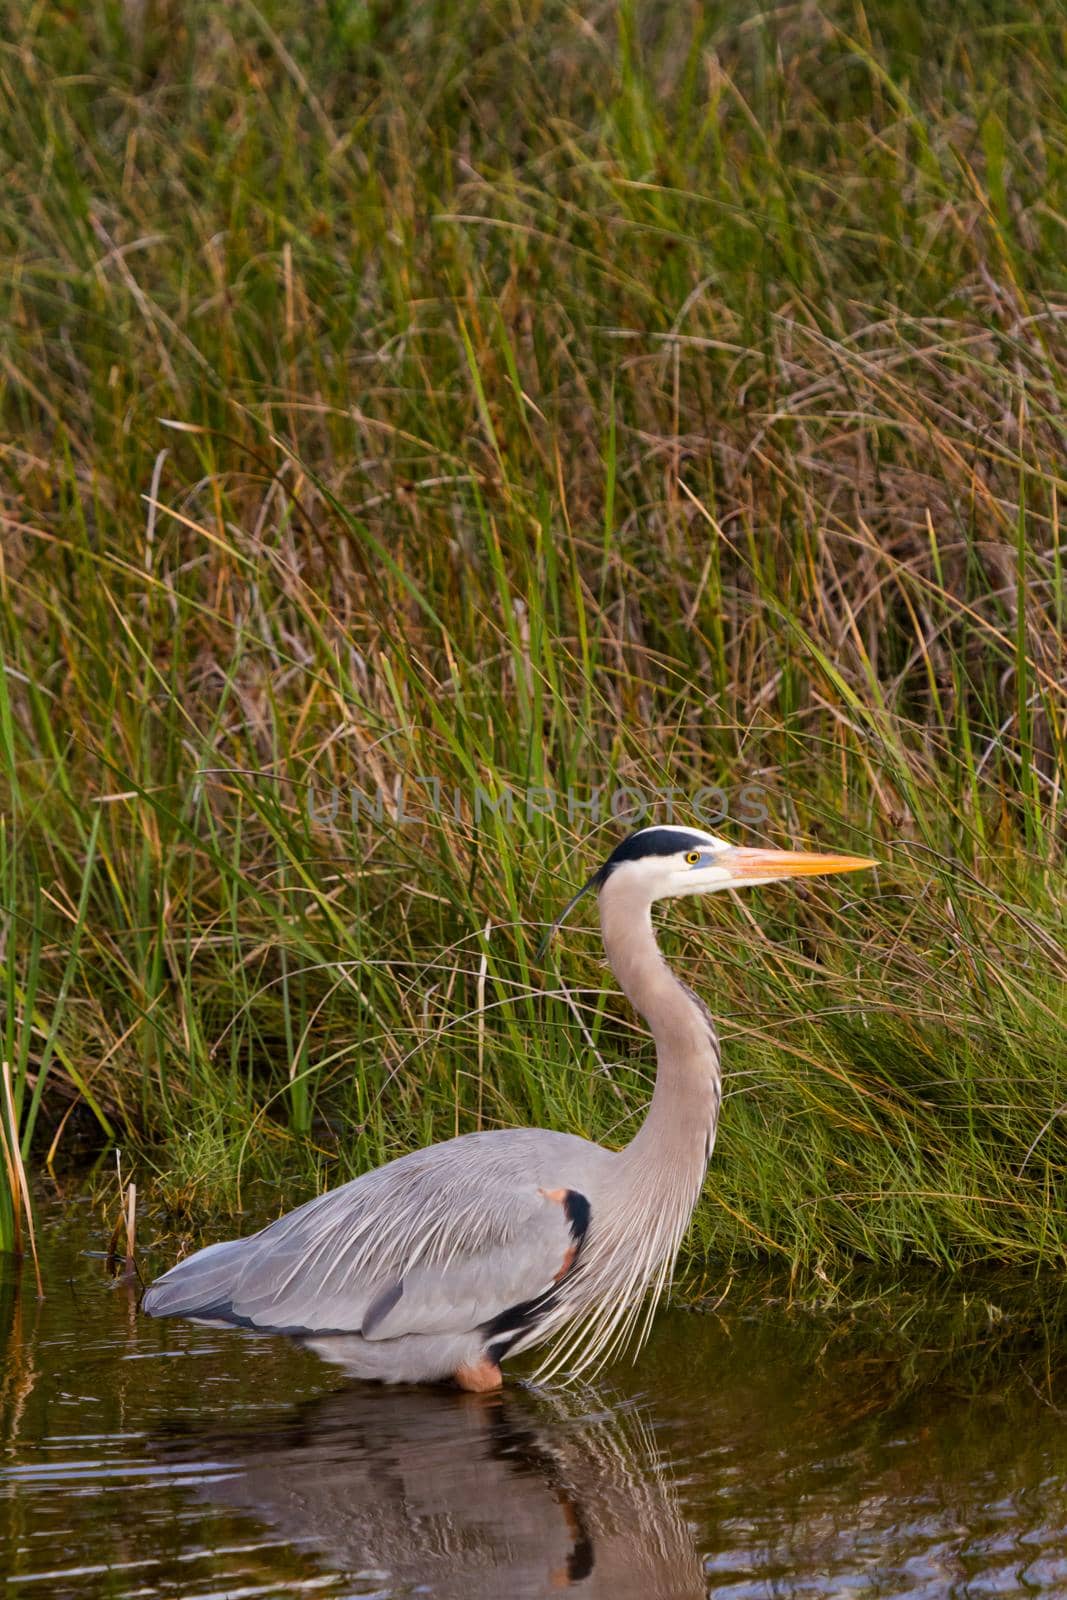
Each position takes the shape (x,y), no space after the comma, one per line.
(533,400)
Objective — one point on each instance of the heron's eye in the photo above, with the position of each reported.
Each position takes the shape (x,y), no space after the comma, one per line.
(692,856)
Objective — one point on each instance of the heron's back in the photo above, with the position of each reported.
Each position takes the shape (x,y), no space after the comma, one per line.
(321,1266)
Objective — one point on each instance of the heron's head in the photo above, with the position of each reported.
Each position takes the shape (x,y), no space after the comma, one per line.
(666,861)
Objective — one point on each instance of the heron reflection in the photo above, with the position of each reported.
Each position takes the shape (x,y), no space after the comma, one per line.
(519,1493)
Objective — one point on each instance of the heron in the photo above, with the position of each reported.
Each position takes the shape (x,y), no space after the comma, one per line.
(437,1266)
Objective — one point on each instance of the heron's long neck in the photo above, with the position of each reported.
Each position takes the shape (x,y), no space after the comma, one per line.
(679,1127)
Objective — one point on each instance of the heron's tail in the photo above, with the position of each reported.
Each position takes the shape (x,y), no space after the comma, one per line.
(200,1286)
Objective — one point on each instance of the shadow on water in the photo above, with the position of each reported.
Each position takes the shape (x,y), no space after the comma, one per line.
(919,1450)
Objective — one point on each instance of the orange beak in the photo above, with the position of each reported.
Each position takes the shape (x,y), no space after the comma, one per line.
(755,866)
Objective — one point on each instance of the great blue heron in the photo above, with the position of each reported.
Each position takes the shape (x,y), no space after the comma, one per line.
(445,1261)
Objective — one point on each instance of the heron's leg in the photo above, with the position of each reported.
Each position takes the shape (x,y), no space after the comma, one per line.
(480,1376)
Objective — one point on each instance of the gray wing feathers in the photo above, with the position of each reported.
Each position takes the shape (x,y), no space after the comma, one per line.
(462,1295)
(203,1280)
(380,1308)
(439,1241)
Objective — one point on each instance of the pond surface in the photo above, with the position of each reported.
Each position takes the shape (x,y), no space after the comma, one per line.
(748,1454)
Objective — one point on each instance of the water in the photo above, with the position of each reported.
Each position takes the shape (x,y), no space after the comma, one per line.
(750,1454)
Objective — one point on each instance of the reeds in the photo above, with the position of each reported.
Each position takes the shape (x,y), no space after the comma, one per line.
(651,402)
